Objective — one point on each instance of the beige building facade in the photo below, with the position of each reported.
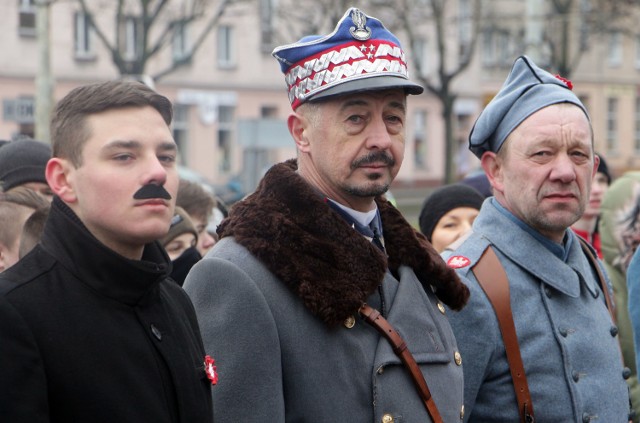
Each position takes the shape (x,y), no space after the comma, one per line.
(230,100)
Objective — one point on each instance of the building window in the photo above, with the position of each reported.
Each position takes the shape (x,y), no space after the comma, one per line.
(421,53)
(225,47)
(488,49)
(612,124)
(615,49)
(420,139)
(27,17)
(267,26)
(504,53)
(181,130)
(496,49)
(225,133)
(179,43)
(130,38)
(269,112)
(83,36)
(464,27)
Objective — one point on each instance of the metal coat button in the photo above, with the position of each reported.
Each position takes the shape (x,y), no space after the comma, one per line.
(547,292)
(586,417)
(563,332)
(387,418)
(613,331)
(156,332)
(462,413)
(441,308)
(626,373)
(458,358)
(350,322)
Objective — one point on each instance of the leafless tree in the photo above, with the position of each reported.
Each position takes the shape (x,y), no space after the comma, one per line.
(158,22)
(571,27)
(454,51)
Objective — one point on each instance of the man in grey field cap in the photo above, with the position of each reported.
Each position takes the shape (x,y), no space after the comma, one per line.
(535,143)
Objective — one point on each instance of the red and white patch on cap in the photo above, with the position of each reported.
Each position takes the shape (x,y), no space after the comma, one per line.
(457,262)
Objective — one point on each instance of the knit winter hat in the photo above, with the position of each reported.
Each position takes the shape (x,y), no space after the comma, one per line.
(23,161)
(443,200)
(479,181)
(180,223)
(603,168)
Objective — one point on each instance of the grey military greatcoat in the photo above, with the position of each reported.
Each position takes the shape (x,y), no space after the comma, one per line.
(567,338)
(277,300)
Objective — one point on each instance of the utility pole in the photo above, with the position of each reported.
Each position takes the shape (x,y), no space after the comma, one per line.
(44,80)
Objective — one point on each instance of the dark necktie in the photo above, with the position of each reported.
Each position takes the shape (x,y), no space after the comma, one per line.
(376,239)
(369,232)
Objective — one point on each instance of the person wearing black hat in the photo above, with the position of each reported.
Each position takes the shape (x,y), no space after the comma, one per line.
(587,225)
(448,213)
(538,334)
(22,163)
(284,295)
(181,245)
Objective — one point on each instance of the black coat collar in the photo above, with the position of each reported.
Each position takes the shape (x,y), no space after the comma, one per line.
(332,268)
(67,239)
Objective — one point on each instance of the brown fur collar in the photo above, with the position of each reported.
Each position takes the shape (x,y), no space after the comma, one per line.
(333,269)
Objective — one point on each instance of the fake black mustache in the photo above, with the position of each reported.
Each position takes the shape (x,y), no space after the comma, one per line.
(152,191)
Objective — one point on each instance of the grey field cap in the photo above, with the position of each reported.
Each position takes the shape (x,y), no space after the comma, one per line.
(527,89)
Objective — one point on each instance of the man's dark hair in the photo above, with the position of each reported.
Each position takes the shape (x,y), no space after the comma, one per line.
(69,130)
(195,199)
(32,231)
(25,197)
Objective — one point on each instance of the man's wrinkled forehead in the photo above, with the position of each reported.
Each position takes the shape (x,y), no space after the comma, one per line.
(533,132)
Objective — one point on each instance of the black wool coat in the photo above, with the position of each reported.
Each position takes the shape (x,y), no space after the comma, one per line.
(87,335)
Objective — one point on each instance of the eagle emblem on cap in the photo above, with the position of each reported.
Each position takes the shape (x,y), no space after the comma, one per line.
(360,31)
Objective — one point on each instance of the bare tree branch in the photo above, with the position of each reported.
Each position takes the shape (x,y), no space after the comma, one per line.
(153,38)
(213,22)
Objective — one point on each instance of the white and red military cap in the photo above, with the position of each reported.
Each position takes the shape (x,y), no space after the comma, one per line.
(359,55)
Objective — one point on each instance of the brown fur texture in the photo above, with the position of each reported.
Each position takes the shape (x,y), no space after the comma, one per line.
(331,267)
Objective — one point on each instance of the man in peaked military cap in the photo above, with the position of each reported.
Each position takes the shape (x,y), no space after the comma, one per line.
(535,143)
(278,297)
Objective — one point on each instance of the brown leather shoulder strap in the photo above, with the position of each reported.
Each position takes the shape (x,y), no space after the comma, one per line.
(493,280)
(373,317)
(601,280)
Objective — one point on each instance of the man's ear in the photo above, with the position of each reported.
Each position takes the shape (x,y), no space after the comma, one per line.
(492,166)
(60,177)
(297,127)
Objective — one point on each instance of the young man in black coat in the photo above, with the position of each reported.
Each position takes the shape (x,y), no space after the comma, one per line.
(92,330)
